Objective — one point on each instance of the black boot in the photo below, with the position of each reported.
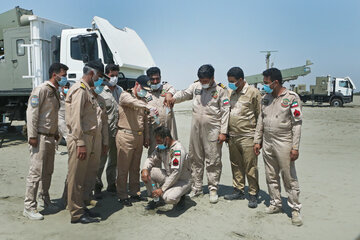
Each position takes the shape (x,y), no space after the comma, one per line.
(237,194)
(252,201)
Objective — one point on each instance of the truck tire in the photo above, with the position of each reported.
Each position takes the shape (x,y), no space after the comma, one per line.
(336,102)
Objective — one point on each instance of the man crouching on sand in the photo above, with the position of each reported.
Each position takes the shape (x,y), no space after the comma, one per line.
(174,179)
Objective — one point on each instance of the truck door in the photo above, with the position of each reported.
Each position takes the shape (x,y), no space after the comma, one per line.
(19,63)
(83,48)
(343,87)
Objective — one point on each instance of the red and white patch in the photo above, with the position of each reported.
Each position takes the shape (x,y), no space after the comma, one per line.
(175,163)
(297,113)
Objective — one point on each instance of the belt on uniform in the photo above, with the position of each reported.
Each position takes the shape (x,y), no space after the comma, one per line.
(139,133)
(47,134)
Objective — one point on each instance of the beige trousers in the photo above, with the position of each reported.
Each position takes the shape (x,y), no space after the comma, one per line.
(243,165)
(41,169)
(171,195)
(129,149)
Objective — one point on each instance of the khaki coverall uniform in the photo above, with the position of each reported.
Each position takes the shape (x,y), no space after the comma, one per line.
(101,139)
(210,118)
(278,130)
(166,117)
(175,178)
(82,122)
(132,131)
(244,112)
(112,118)
(42,123)
(61,120)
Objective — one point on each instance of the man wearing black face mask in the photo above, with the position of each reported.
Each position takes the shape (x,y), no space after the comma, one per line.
(155,99)
(173,179)
(82,122)
(278,132)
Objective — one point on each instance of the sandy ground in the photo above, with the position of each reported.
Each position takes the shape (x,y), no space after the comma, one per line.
(328,171)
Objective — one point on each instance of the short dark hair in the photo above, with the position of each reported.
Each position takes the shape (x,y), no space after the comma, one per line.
(112,67)
(56,68)
(95,64)
(206,71)
(153,71)
(162,132)
(236,72)
(274,74)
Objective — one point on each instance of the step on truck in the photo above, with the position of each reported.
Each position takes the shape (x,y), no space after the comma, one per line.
(333,90)
(29,44)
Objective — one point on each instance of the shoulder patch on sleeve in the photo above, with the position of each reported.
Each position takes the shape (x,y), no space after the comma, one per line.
(226,101)
(175,160)
(82,85)
(149,98)
(34,101)
(222,85)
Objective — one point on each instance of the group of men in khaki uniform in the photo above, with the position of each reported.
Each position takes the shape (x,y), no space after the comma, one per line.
(99,118)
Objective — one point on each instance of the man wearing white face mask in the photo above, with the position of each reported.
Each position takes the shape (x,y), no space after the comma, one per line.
(111,94)
(132,135)
(155,99)
(209,128)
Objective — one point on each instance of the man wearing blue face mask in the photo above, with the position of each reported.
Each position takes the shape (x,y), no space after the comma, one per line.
(155,99)
(278,133)
(82,122)
(42,131)
(244,110)
(62,124)
(132,135)
(172,181)
(209,128)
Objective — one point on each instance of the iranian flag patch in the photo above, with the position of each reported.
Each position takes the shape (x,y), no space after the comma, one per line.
(226,101)
(177,153)
(294,104)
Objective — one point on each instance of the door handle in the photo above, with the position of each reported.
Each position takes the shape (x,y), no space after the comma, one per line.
(72,75)
(14,61)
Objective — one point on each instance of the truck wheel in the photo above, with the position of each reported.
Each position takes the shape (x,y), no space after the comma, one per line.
(336,103)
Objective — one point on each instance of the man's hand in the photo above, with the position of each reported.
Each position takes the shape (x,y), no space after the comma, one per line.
(105,149)
(257,148)
(157,193)
(221,138)
(33,142)
(169,101)
(57,137)
(145,176)
(146,143)
(81,152)
(294,154)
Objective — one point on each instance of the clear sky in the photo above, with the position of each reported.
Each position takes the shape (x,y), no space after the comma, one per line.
(183,35)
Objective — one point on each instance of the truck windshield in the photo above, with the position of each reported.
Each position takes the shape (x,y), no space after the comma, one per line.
(90,48)
(108,57)
(344,84)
